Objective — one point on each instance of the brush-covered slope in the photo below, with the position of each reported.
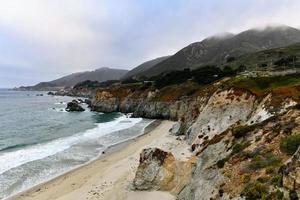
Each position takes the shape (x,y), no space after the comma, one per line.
(218,50)
(273,59)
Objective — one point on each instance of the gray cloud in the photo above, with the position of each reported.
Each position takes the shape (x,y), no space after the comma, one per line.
(51,38)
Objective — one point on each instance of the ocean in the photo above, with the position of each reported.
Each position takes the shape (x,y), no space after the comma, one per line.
(39,140)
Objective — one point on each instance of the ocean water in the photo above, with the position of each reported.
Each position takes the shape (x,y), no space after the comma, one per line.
(39,140)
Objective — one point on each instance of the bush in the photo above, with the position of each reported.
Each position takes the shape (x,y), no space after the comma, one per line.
(290,144)
(268,160)
(241,131)
(221,163)
(276,180)
(237,148)
(246,178)
(255,191)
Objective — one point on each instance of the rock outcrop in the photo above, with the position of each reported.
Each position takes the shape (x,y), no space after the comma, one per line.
(159,170)
(291,174)
(234,131)
(74,107)
(175,130)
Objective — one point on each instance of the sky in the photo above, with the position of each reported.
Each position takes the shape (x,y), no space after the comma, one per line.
(41,40)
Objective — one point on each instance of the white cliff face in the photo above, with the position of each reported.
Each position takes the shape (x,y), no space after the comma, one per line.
(264,110)
(206,179)
(260,113)
(222,110)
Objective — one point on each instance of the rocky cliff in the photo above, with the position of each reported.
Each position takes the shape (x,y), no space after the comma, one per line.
(245,135)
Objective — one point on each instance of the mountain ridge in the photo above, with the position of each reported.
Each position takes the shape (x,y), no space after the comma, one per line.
(100,75)
(215,50)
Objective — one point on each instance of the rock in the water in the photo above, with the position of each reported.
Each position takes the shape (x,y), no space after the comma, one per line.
(88,102)
(80,101)
(159,170)
(74,107)
(50,93)
(175,130)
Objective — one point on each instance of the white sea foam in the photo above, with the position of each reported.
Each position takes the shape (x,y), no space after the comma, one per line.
(61,103)
(9,160)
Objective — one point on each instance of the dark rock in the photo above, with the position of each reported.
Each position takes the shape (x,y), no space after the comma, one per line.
(50,93)
(75,101)
(88,102)
(80,101)
(74,107)
(293,195)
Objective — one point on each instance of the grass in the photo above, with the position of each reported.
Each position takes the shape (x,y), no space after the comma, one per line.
(259,190)
(261,85)
(290,144)
(264,161)
(237,148)
(255,190)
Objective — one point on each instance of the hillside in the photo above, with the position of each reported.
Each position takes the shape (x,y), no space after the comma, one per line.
(135,72)
(218,50)
(100,75)
(272,59)
(241,130)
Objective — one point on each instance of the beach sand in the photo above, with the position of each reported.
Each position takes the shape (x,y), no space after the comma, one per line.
(110,176)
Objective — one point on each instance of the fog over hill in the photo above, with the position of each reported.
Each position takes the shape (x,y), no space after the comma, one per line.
(217,49)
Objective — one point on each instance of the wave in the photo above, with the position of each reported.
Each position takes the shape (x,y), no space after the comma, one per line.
(60,103)
(17,146)
(13,159)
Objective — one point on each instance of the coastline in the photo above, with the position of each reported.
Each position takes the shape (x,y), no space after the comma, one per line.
(109,176)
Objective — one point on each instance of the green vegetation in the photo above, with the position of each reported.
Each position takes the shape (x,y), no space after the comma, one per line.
(259,85)
(279,58)
(255,190)
(290,144)
(241,131)
(94,84)
(260,190)
(221,163)
(245,178)
(237,148)
(202,76)
(263,161)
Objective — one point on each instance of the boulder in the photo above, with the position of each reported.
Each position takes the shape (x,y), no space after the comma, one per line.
(88,102)
(175,130)
(50,93)
(159,170)
(74,107)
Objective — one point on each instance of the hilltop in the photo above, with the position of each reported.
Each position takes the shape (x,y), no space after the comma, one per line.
(220,50)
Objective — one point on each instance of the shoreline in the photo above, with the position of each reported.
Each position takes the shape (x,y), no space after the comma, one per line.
(106,152)
(75,180)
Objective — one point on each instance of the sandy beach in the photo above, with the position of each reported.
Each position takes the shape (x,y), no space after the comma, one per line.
(110,176)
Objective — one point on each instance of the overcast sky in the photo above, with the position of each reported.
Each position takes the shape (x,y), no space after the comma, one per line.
(41,40)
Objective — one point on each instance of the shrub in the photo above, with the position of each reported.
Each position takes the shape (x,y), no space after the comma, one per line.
(241,131)
(270,170)
(221,163)
(297,106)
(290,144)
(263,161)
(277,195)
(246,178)
(255,191)
(276,180)
(237,148)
